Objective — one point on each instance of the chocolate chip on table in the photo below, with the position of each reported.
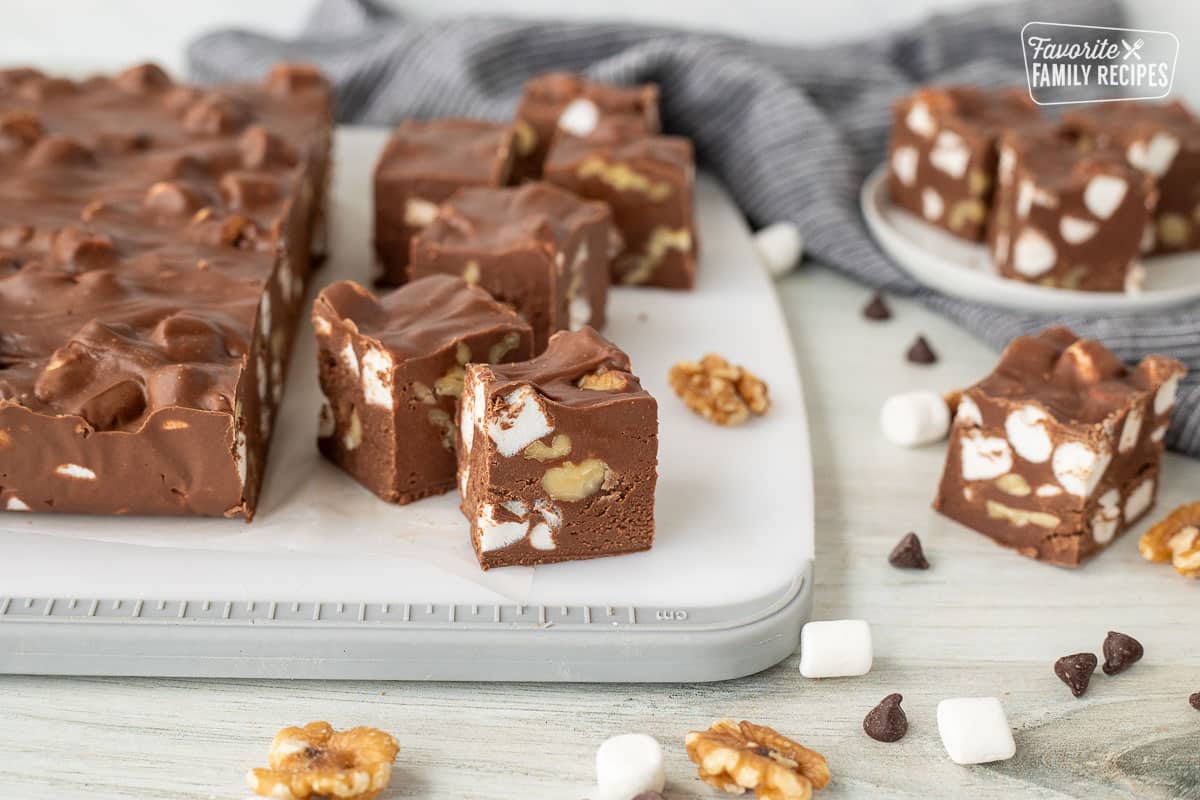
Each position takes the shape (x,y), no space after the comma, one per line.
(908,553)
(1195,701)
(886,722)
(1076,671)
(1120,652)
(921,352)
(877,309)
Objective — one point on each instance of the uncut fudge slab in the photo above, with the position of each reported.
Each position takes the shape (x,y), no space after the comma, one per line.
(538,248)
(649,183)
(562,100)
(1066,216)
(942,156)
(423,164)
(1163,140)
(1058,450)
(391,369)
(155,243)
(557,456)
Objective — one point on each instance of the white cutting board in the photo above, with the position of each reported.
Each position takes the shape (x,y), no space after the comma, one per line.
(734,505)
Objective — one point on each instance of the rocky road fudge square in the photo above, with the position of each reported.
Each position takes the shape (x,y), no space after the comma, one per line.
(557,456)
(560,100)
(1058,450)
(540,249)
(392,370)
(423,164)
(1163,140)
(942,156)
(1067,216)
(649,182)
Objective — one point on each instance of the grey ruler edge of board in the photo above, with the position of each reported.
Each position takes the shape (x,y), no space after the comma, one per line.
(322,639)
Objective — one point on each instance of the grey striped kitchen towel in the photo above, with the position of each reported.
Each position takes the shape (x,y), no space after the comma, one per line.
(790,130)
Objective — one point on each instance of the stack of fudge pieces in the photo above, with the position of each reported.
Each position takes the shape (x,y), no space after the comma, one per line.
(1071,204)
(483,369)
(156,240)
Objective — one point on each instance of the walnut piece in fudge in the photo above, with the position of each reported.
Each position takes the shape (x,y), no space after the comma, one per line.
(649,182)
(560,100)
(422,165)
(1058,450)
(538,248)
(942,156)
(1162,140)
(1067,217)
(155,243)
(557,456)
(392,370)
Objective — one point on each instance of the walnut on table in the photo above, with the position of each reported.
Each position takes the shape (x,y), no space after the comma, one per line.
(720,392)
(317,761)
(735,757)
(1176,539)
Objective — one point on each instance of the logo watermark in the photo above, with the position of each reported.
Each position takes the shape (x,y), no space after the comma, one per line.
(1089,64)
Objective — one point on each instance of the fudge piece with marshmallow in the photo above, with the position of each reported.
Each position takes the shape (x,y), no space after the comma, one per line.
(1066,216)
(538,248)
(557,456)
(649,182)
(423,164)
(1058,450)
(1162,140)
(942,156)
(391,369)
(562,101)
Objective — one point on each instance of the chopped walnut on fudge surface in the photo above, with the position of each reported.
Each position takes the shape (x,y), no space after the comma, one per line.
(1058,450)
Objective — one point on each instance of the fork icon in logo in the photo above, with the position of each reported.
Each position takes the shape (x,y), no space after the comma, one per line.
(1132,49)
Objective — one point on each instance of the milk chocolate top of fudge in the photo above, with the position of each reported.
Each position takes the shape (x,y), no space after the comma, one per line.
(614,141)
(138,223)
(573,361)
(1073,379)
(993,110)
(420,317)
(558,88)
(469,150)
(504,219)
(1127,121)
(1054,156)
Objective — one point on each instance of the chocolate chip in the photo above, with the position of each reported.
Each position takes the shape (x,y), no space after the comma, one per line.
(1076,671)
(908,553)
(886,722)
(1120,652)
(877,309)
(921,352)
(1195,701)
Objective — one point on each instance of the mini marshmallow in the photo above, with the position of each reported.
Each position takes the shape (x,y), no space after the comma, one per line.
(835,648)
(975,730)
(915,418)
(628,765)
(580,117)
(780,247)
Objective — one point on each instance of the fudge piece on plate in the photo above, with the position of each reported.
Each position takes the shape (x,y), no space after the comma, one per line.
(1068,217)
(942,156)
(649,182)
(392,370)
(155,243)
(423,164)
(1163,140)
(1058,450)
(570,102)
(557,456)
(538,248)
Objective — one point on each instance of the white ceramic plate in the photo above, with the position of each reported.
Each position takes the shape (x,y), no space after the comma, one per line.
(965,270)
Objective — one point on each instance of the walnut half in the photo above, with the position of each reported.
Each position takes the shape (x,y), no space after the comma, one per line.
(720,392)
(317,761)
(735,757)
(1175,539)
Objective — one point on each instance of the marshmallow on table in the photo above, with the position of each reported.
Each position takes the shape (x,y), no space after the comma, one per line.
(975,730)
(780,247)
(835,648)
(628,765)
(915,418)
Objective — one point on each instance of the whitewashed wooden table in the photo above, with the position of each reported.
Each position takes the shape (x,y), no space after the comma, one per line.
(982,621)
